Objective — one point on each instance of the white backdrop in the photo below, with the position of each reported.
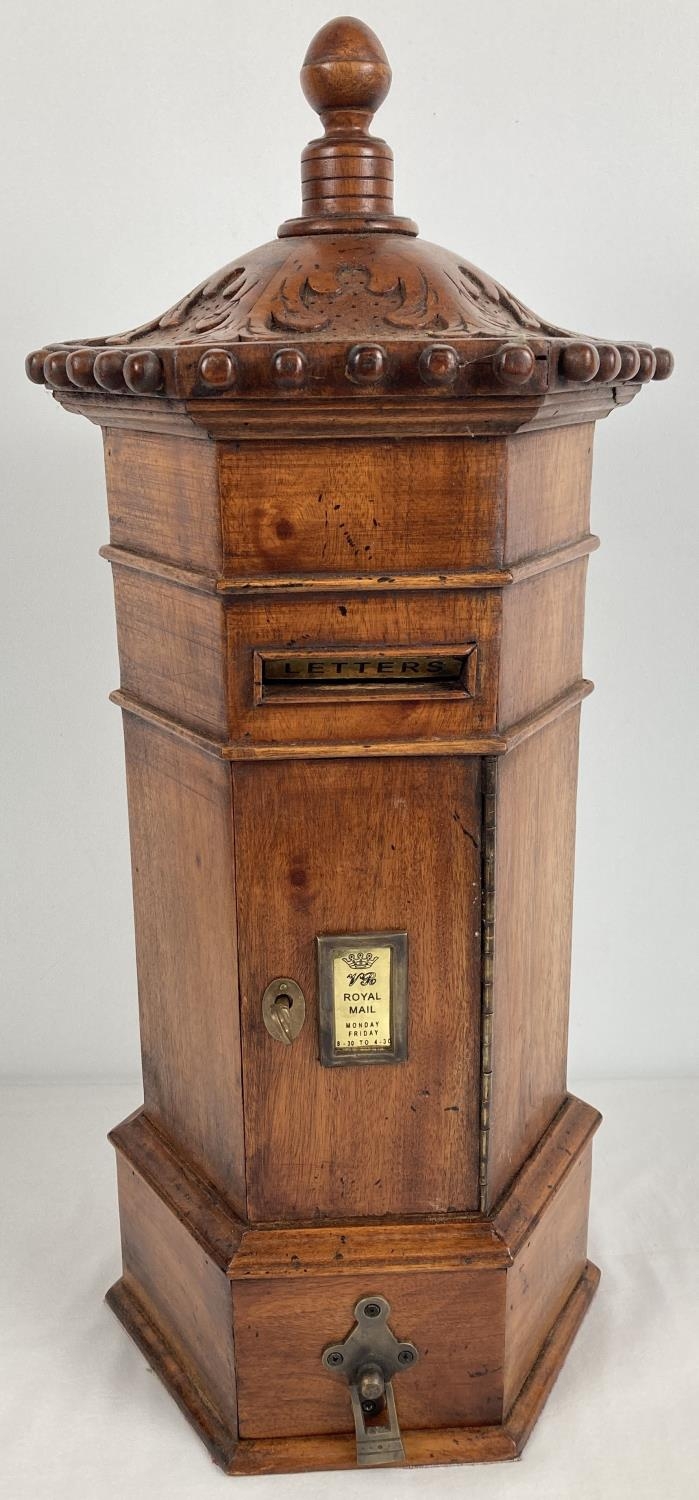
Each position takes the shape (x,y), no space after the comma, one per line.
(148,142)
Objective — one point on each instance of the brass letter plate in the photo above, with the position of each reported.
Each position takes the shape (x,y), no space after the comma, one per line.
(391,672)
(363,998)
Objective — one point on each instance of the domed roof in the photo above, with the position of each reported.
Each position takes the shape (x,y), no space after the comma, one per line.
(347,302)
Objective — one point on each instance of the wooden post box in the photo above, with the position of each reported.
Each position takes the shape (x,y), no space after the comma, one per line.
(348,482)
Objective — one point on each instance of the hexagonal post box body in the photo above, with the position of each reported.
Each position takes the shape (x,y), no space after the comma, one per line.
(348,484)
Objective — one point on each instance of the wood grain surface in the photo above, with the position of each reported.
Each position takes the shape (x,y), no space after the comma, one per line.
(455,1321)
(163,497)
(362,506)
(181,1288)
(324,849)
(534,850)
(544,1274)
(184,900)
(541,640)
(548,489)
(172,649)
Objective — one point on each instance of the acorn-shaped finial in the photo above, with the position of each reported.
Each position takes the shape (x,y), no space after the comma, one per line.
(347,175)
(345,71)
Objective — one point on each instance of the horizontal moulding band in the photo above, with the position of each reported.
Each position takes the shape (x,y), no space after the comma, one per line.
(495,743)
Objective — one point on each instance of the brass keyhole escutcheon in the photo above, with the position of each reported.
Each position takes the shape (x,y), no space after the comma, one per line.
(283,1010)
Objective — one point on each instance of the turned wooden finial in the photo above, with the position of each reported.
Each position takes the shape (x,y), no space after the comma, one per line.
(346,175)
(345,74)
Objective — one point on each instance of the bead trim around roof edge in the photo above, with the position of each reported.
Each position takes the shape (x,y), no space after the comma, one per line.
(347,301)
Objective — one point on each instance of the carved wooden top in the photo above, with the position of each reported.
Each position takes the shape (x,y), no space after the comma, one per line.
(346,302)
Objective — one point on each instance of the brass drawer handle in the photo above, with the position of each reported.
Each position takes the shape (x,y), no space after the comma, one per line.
(368,1359)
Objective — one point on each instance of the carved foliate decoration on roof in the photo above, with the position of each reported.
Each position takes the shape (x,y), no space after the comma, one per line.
(347,301)
(402,285)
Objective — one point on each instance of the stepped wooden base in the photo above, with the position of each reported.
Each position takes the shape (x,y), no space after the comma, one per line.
(234,1317)
(451,1445)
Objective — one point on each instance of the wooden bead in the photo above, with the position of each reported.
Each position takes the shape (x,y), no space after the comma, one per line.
(609,362)
(345,68)
(664,364)
(34,366)
(80,368)
(579,361)
(109,369)
(439,364)
(55,369)
(289,368)
(143,372)
(218,369)
(646,368)
(630,361)
(514,364)
(366,363)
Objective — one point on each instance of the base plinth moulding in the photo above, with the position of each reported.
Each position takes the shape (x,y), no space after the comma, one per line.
(491,1302)
(450,1445)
